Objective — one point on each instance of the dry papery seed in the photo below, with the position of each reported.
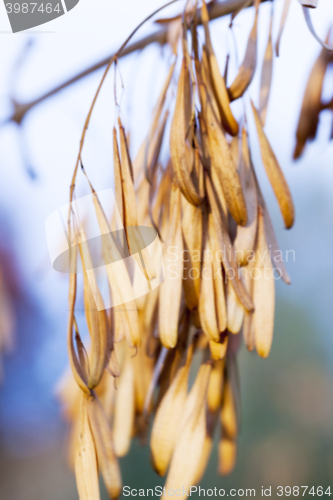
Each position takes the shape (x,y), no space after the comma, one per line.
(198,188)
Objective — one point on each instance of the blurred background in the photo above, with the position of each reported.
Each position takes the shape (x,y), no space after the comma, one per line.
(287,400)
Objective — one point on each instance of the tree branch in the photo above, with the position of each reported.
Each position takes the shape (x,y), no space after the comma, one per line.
(216,11)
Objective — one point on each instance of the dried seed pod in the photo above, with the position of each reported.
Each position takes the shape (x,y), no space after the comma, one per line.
(192,235)
(179,130)
(155,147)
(248,323)
(86,470)
(208,445)
(247,69)
(229,425)
(266,75)
(143,372)
(235,310)
(220,302)
(275,254)
(96,319)
(218,350)
(124,408)
(284,16)
(207,309)
(78,370)
(311,105)
(171,288)
(275,174)
(135,243)
(227,250)
(215,387)
(245,236)
(118,277)
(217,80)
(103,440)
(174,357)
(263,293)
(227,452)
(168,418)
(145,153)
(191,436)
(222,161)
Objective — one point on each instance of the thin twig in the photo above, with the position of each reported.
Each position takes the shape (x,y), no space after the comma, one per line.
(216,11)
(86,123)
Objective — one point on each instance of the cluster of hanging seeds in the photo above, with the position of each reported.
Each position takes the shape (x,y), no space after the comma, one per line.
(220,256)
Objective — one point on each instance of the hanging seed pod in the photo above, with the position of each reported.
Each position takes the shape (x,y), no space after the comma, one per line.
(124,408)
(247,69)
(312,105)
(228,254)
(220,252)
(78,370)
(192,235)
(168,418)
(229,425)
(275,254)
(217,80)
(207,310)
(275,174)
(215,387)
(263,293)
(143,370)
(171,289)
(218,350)
(96,319)
(179,130)
(86,470)
(235,310)
(118,178)
(284,16)
(191,437)
(245,236)
(222,161)
(220,302)
(266,75)
(208,445)
(104,447)
(119,280)
(248,323)
(135,242)
(145,155)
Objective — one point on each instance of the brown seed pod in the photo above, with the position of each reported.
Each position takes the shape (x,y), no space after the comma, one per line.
(263,293)
(171,288)
(247,69)
(86,470)
(103,440)
(178,134)
(275,174)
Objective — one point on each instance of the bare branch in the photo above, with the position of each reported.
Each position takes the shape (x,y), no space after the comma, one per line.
(217,10)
